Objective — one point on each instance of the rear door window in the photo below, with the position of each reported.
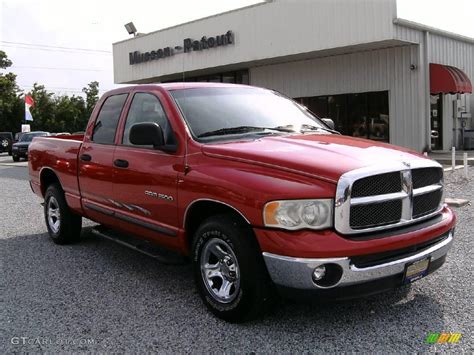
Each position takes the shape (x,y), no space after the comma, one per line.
(108,118)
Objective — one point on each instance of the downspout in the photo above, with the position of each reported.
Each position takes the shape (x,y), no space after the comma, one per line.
(426,60)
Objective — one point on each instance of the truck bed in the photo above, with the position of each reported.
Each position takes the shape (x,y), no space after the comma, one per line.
(59,153)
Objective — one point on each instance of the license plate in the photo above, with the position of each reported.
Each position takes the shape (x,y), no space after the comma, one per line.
(416,270)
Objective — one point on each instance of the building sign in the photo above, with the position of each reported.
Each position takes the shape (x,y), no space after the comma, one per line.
(189,45)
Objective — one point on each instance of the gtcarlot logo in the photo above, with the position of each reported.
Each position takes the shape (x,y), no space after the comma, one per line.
(49,341)
(442,338)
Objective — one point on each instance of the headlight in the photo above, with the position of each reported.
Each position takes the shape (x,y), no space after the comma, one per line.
(299,214)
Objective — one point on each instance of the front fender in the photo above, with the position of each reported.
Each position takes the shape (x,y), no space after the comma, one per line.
(245,187)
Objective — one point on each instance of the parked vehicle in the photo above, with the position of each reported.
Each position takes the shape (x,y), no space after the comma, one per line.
(61,134)
(18,136)
(256,191)
(20,149)
(6,141)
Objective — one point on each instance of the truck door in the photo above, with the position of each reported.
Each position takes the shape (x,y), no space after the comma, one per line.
(145,182)
(96,161)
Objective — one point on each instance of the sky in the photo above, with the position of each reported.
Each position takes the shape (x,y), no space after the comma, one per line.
(64,44)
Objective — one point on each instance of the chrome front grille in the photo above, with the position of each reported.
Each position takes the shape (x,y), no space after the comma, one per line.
(376,214)
(426,176)
(426,203)
(377,198)
(377,185)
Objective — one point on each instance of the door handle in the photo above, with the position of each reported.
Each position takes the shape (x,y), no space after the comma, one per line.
(85,157)
(121,163)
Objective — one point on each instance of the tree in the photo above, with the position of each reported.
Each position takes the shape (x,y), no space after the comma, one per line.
(10,102)
(4,61)
(92,96)
(80,117)
(70,114)
(43,111)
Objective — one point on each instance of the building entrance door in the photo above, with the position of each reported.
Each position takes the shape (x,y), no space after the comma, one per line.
(436,113)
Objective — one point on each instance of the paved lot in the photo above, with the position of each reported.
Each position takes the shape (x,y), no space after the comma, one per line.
(99,296)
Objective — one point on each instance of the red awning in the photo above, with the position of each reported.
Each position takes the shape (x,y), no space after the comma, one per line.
(445,79)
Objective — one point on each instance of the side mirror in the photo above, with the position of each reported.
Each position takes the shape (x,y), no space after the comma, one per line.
(147,133)
(329,122)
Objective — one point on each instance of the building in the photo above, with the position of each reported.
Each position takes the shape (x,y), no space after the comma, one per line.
(377,76)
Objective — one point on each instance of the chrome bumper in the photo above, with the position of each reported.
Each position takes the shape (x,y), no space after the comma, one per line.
(297,272)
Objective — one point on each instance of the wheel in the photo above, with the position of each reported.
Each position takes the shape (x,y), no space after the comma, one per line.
(4,143)
(63,225)
(229,270)
(16,158)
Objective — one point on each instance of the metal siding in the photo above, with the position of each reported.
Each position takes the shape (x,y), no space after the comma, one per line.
(309,25)
(378,70)
(408,34)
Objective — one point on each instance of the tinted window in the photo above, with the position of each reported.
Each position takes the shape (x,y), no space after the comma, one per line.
(147,108)
(107,120)
(28,137)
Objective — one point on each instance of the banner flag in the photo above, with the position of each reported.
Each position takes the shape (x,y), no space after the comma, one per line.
(28,103)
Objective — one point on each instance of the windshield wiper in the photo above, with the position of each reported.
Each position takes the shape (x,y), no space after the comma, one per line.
(308,127)
(243,129)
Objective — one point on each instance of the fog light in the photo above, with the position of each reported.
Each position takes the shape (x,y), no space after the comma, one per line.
(319,272)
(327,275)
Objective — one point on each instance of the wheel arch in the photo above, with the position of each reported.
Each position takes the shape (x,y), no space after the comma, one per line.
(200,209)
(47,177)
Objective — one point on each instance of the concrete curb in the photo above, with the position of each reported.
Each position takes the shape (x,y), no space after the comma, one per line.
(456,202)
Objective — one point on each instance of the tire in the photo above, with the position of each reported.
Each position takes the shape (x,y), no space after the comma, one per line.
(16,158)
(63,225)
(235,286)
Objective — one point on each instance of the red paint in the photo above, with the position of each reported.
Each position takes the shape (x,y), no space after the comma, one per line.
(244,175)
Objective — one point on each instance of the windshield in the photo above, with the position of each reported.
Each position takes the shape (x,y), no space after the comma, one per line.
(216,112)
(29,136)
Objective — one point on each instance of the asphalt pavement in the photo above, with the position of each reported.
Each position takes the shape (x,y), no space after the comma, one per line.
(102,297)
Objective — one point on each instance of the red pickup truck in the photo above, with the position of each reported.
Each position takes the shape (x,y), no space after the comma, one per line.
(258,192)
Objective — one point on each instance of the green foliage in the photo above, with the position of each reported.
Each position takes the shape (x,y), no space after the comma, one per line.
(92,95)
(10,102)
(52,113)
(4,61)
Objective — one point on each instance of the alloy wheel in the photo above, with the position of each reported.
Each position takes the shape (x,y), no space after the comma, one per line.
(220,270)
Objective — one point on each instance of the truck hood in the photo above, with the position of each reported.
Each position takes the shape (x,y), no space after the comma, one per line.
(322,156)
(22,144)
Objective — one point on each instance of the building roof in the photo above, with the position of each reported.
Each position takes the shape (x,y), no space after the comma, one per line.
(434,30)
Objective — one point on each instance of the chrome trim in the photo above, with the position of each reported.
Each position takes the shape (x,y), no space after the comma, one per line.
(427,189)
(296,272)
(377,198)
(211,200)
(344,201)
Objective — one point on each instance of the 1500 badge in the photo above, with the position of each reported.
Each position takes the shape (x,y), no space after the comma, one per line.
(157,195)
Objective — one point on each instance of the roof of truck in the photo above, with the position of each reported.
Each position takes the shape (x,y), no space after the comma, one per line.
(174,86)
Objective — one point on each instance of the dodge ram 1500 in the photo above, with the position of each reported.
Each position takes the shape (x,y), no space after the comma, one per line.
(255,190)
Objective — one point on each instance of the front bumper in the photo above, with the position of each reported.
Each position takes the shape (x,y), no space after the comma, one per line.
(20,153)
(296,273)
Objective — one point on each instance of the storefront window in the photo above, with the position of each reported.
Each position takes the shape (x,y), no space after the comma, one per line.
(362,115)
(234,77)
